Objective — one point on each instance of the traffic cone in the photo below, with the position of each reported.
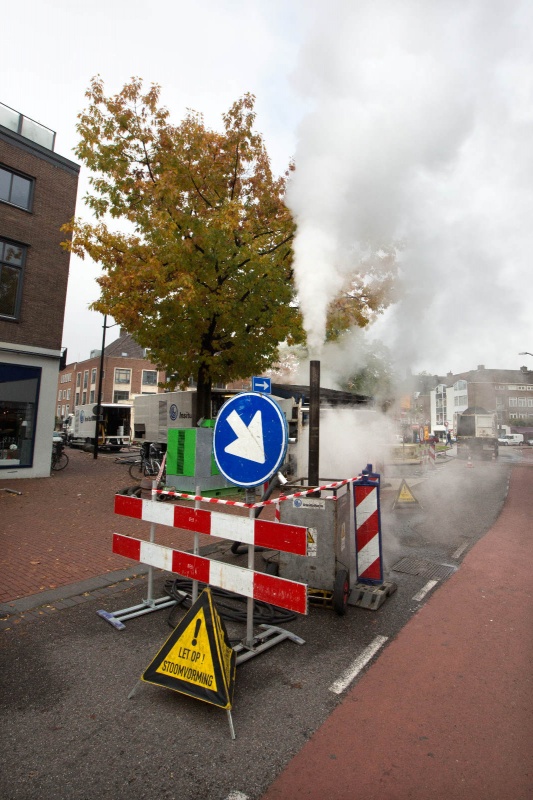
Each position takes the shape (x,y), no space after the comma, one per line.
(469,462)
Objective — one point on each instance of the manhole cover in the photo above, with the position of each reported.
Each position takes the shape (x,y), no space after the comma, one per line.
(418,566)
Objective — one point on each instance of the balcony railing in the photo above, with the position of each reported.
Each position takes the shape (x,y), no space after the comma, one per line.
(26,127)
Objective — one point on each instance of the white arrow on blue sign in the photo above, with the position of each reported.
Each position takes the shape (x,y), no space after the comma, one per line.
(250,439)
(260,384)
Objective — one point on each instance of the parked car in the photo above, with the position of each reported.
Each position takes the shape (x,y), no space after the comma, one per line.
(511,438)
(530,441)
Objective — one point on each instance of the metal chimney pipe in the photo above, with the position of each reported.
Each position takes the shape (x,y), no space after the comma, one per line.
(314,422)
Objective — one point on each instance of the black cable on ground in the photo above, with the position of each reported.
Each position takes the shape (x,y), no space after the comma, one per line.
(231,607)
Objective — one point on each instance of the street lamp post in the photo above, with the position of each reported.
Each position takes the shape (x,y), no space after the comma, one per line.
(99,401)
(100,387)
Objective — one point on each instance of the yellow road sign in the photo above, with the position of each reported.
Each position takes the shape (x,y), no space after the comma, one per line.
(197,658)
(405,496)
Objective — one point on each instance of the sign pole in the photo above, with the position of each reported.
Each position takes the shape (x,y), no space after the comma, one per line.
(250,600)
(196,549)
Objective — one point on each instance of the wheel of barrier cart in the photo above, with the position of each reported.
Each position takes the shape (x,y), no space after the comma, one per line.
(341,592)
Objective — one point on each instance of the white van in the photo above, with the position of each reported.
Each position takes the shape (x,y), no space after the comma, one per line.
(512,438)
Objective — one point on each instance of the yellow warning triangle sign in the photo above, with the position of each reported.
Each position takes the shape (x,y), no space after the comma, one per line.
(197,658)
(405,496)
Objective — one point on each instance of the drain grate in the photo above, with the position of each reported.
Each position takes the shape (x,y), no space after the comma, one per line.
(427,569)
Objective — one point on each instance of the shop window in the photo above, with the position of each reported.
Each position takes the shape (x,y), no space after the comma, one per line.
(18,412)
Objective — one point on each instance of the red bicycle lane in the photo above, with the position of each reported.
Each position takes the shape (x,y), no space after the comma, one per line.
(447,709)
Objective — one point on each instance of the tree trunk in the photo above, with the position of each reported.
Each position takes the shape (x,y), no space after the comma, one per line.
(203,394)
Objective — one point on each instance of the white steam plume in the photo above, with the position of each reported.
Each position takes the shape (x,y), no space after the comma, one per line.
(419,133)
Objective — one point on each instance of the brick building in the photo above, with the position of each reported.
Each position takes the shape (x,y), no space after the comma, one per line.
(126,373)
(37,196)
(508,392)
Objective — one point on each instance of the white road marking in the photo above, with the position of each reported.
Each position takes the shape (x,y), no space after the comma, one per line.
(234,795)
(424,590)
(355,668)
(460,550)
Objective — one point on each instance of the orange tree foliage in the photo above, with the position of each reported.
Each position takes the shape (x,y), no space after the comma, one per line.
(201,272)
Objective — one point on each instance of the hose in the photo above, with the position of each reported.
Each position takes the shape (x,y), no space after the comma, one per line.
(231,607)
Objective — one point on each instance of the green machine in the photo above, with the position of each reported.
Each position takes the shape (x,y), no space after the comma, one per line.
(190,461)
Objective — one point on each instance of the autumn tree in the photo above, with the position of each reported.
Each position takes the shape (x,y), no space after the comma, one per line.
(200,270)
(369,289)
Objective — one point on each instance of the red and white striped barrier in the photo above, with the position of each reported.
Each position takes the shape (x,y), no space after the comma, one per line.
(257,532)
(267,588)
(282,498)
(368,531)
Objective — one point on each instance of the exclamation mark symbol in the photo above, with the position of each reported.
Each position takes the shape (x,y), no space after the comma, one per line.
(196,631)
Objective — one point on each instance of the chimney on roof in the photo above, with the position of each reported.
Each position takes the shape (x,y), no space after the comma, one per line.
(481,366)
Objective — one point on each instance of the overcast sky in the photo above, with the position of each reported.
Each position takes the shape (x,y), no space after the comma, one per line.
(410,123)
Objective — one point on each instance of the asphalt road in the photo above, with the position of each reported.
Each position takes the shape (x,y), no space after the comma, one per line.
(69,730)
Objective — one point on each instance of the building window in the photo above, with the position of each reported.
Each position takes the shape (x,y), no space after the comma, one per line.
(78,379)
(91,396)
(149,377)
(15,189)
(93,376)
(118,396)
(77,400)
(84,398)
(122,375)
(18,414)
(522,402)
(85,378)
(12,258)
(513,402)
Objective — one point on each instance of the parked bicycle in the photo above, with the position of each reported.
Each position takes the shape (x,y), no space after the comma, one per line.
(148,465)
(59,457)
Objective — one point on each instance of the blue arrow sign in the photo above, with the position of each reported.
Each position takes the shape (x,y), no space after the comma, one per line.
(262,385)
(250,439)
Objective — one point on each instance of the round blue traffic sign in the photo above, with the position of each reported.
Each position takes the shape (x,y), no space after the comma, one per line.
(250,439)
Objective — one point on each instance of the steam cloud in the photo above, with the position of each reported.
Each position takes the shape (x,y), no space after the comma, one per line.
(419,134)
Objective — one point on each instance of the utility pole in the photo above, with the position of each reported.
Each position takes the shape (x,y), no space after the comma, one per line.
(100,383)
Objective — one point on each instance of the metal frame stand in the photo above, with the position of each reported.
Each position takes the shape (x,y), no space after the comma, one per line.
(270,635)
(117,618)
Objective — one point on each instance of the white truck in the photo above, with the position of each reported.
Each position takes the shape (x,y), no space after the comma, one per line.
(477,433)
(113,426)
(154,414)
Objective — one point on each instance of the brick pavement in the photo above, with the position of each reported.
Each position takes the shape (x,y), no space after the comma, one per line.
(56,536)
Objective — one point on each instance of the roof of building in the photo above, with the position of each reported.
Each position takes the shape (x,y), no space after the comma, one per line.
(125,347)
(484,375)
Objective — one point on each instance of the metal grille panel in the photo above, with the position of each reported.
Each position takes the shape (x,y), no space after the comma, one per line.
(427,569)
